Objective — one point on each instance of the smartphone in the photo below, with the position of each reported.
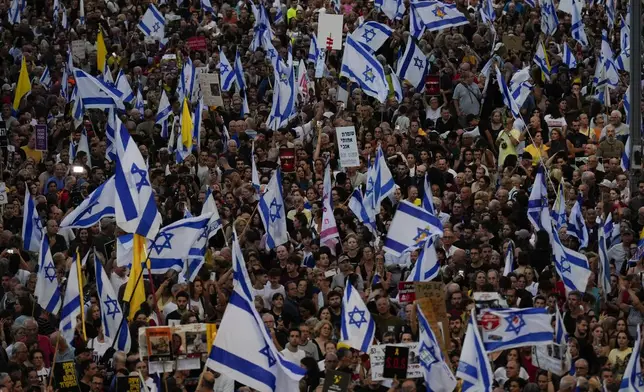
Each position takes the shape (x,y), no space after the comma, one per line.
(213,276)
(10,251)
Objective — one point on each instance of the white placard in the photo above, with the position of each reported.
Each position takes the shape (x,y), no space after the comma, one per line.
(550,358)
(78,49)
(330,25)
(196,89)
(211,89)
(377,360)
(3,193)
(348,146)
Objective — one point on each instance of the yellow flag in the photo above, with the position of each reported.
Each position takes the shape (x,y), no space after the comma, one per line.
(186,126)
(24,85)
(101,51)
(211,334)
(135,288)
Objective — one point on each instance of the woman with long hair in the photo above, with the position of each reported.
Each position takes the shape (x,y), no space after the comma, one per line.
(618,357)
(199,302)
(323,334)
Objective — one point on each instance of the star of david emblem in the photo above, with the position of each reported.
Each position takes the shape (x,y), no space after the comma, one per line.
(223,68)
(112,307)
(422,234)
(283,78)
(38,223)
(321,55)
(266,351)
(418,63)
(156,27)
(368,75)
(50,272)
(204,233)
(89,208)
(565,266)
(352,320)
(166,243)
(515,323)
(271,53)
(369,188)
(640,380)
(427,355)
(143,181)
(439,12)
(369,35)
(274,210)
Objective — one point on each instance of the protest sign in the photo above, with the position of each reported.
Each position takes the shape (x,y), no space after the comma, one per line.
(330,28)
(78,49)
(65,377)
(553,358)
(128,384)
(348,146)
(396,362)
(211,89)
(335,381)
(41,137)
(377,360)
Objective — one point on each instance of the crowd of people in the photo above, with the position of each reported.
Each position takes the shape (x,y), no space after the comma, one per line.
(456,130)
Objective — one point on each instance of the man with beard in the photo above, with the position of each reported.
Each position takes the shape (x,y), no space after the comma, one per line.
(182,307)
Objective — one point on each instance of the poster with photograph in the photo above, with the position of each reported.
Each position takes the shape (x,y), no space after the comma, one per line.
(159,341)
(211,89)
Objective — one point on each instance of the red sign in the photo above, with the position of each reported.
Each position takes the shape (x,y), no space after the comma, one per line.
(406,293)
(329,44)
(489,321)
(197,43)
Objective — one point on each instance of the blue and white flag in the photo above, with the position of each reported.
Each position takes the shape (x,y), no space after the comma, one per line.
(64,22)
(520,86)
(199,247)
(284,93)
(140,103)
(438,16)
(96,94)
(572,267)
(253,361)
(416,26)
(568,57)
(186,81)
(627,109)
(253,169)
(577,225)
(356,205)
(32,229)
(428,198)
(578,31)
(412,66)
(626,155)
(438,376)
(279,14)
(135,208)
(559,208)
(110,136)
(474,366)
(371,34)
(427,265)
(45,78)
(71,303)
(568,6)
(15,10)
(611,11)
(47,291)
(153,23)
(226,72)
(380,184)
(362,67)
(633,378)
(549,19)
(358,327)
(508,99)
(273,213)
(509,259)
(112,317)
(206,6)
(541,59)
(611,230)
(605,72)
(314,50)
(603,279)
(504,329)
(239,73)
(55,15)
(561,336)
(410,227)
(99,205)
(163,114)
(538,212)
(391,8)
(123,85)
(396,85)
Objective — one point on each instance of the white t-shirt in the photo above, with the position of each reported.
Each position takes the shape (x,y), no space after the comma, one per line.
(99,348)
(43,375)
(199,305)
(294,357)
(224,383)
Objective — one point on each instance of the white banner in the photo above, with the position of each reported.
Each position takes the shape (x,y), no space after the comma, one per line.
(377,360)
(348,146)
(552,358)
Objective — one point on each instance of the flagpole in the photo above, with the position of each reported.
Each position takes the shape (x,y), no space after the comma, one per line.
(80,291)
(51,372)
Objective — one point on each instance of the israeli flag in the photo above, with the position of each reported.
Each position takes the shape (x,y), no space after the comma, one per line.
(568,57)
(412,66)
(124,254)
(112,317)
(140,104)
(153,23)
(362,67)
(391,8)
(314,50)
(577,225)
(416,26)
(396,86)
(509,259)
(47,291)
(186,81)
(284,93)
(226,72)
(438,376)
(110,136)
(474,366)
(273,213)
(610,13)
(72,303)
(568,6)
(96,94)
(329,234)
(135,207)
(254,172)
(15,10)
(633,379)
(410,227)
(279,14)
(626,155)
(45,78)
(604,262)
(163,114)
(488,15)
(380,184)
(504,329)
(174,242)
(372,35)
(549,19)
(123,85)
(559,209)
(206,6)
(572,267)
(198,250)
(253,361)
(56,11)
(578,30)
(427,266)
(508,99)
(32,229)
(541,59)
(428,198)
(438,16)
(538,213)
(239,73)
(358,327)
(561,336)
(99,205)
(64,22)
(605,72)
(356,205)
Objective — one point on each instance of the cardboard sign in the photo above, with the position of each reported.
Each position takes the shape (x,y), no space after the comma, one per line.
(348,146)
(554,358)
(396,362)
(211,89)
(41,137)
(197,43)
(513,42)
(287,159)
(128,384)
(335,381)
(406,293)
(196,88)
(377,360)
(78,49)
(65,377)
(330,26)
